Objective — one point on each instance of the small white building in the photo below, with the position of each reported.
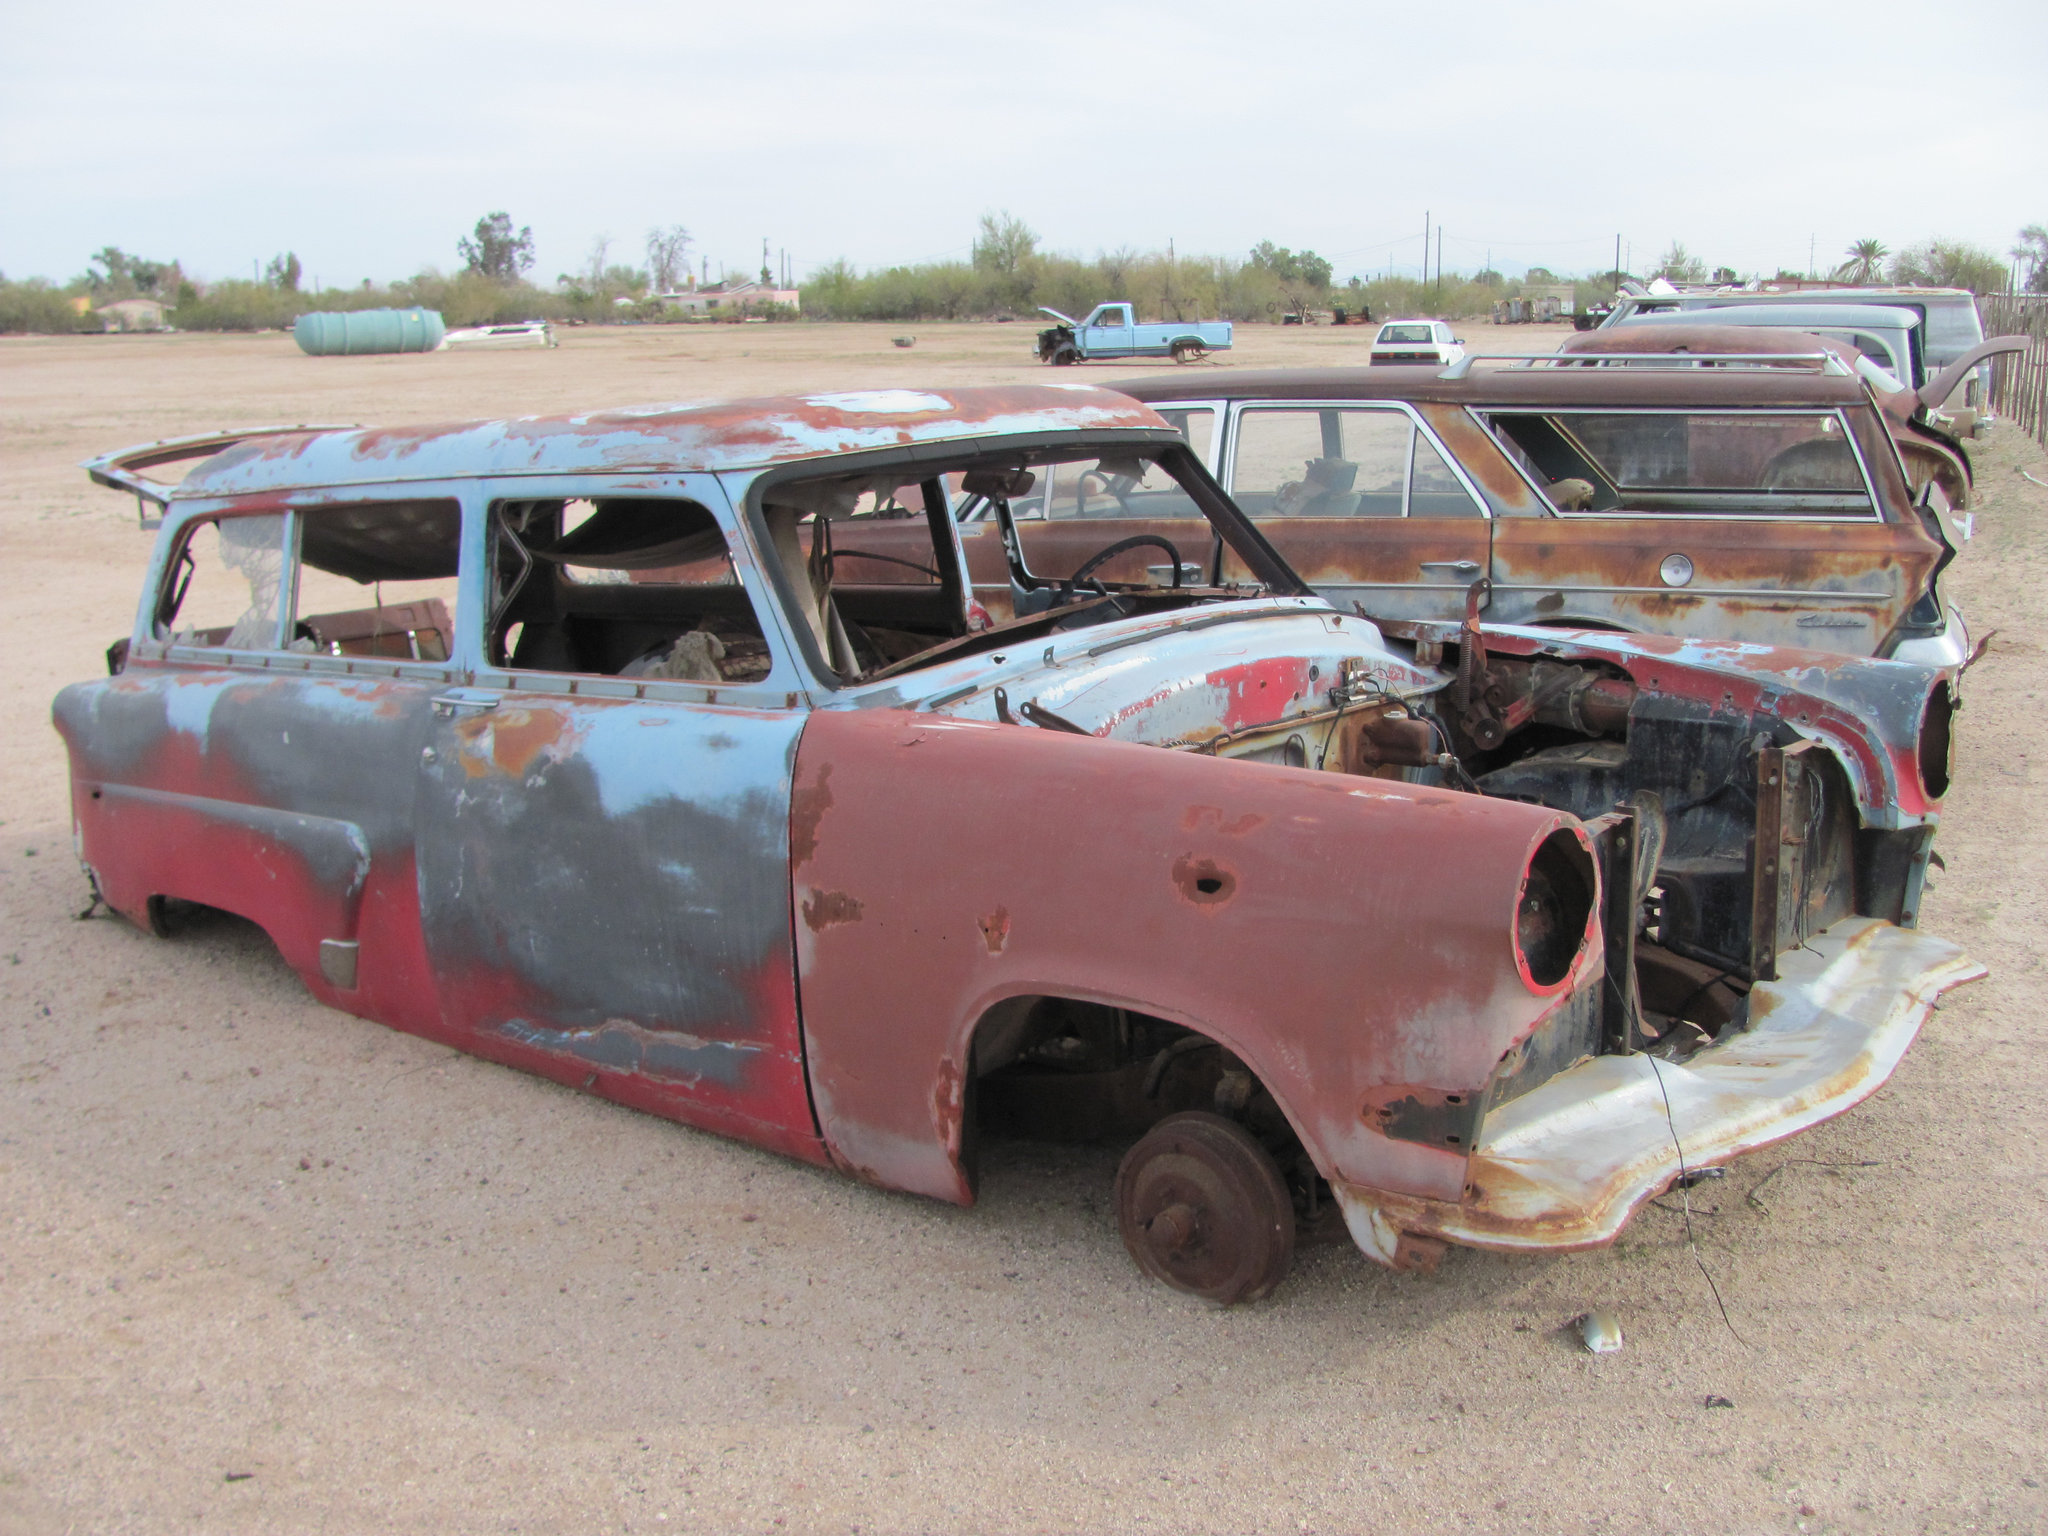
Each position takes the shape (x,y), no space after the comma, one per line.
(726,299)
(133,315)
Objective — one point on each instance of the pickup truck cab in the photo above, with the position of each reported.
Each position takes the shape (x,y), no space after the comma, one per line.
(1114,331)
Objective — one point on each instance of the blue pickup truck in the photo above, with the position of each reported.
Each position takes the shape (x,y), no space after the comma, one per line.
(1111,330)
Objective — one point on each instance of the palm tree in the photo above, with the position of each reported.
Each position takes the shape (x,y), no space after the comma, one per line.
(1865,263)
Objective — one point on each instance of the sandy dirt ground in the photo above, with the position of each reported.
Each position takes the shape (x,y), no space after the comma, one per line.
(269,1268)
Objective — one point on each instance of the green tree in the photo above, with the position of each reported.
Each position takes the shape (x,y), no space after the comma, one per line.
(113,274)
(284,272)
(1864,262)
(1306,269)
(497,252)
(1949,264)
(1004,245)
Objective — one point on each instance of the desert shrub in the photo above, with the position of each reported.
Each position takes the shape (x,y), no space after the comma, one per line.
(237,305)
(37,306)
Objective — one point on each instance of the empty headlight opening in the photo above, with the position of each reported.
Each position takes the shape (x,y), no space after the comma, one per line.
(1554,911)
(1937,735)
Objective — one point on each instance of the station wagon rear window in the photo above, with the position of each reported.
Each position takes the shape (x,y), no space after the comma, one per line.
(1697,463)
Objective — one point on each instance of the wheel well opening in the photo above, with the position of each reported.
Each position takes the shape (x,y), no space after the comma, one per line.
(1056,1069)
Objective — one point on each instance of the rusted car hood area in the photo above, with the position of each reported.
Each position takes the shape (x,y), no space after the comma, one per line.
(1182,680)
(1568,1163)
(1886,721)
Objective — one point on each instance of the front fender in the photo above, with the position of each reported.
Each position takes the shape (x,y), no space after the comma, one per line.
(1871,714)
(1350,939)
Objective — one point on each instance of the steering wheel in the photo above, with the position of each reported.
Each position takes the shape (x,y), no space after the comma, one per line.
(1106,485)
(1070,588)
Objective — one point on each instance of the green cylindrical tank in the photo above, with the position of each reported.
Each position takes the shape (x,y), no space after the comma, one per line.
(349,332)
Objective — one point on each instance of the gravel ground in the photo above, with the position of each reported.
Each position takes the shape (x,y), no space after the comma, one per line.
(269,1268)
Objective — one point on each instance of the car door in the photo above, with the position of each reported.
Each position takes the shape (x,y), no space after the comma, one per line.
(267,723)
(1764,525)
(1108,333)
(1362,501)
(604,809)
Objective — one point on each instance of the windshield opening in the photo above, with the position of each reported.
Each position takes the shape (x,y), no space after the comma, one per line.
(871,567)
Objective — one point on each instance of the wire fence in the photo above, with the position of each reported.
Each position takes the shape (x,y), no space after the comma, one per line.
(2019,380)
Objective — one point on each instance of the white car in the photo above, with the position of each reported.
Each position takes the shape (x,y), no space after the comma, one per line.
(524,333)
(1416,341)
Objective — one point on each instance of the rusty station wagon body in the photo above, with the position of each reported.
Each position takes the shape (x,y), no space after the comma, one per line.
(642,769)
(1768,505)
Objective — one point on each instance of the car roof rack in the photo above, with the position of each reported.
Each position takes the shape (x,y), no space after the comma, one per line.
(1809,362)
(122,469)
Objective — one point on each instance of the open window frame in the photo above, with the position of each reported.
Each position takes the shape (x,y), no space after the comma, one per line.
(934,463)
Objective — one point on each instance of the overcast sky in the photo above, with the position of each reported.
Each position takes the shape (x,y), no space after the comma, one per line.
(368,138)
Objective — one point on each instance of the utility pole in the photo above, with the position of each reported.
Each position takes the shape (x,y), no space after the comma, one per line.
(1811,242)
(1439,266)
(1617,263)
(1425,245)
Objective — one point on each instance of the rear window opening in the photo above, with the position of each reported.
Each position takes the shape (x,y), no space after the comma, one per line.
(1719,464)
(372,579)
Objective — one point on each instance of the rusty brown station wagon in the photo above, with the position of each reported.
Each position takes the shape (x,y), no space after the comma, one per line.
(1767,504)
(612,747)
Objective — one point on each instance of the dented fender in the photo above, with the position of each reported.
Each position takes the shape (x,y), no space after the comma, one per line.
(1350,940)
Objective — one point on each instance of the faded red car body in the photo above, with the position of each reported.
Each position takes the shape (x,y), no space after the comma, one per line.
(1385,913)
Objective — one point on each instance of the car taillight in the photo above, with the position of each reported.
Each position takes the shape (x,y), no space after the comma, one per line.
(1554,911)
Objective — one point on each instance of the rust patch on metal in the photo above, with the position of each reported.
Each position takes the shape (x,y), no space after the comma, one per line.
(1211,816)
(1203,881)
(949,1097)
(517,737)
(807,807)
(1415,1254)
(828,909)
(995,930)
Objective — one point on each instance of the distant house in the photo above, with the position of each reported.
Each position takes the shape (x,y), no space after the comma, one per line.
(725,299)
(133,315)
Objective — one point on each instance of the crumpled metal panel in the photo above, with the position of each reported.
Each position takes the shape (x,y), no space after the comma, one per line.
(710,435)
(1349,938)
(1868,711)
(1566,1165)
